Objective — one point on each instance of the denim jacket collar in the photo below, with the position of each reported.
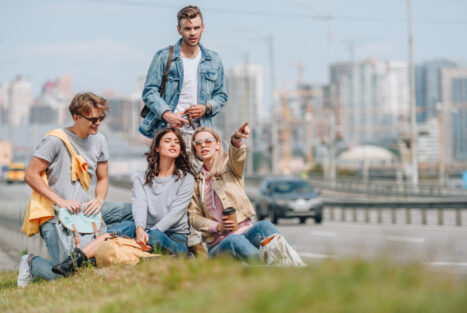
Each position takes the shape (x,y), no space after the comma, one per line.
(204,52)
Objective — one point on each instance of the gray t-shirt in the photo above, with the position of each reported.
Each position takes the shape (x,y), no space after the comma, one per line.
(162,204)
(52,149)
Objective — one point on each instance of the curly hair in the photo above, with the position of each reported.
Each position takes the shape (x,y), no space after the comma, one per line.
(182,163)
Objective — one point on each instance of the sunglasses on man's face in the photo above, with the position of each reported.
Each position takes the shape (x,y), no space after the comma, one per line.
(207,142)
(94,120)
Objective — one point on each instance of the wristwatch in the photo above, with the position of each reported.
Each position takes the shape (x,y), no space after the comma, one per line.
(208,110)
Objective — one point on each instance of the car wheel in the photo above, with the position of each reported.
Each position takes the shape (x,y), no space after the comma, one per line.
(318,219)
(272,216)
(259,216)
(302,220)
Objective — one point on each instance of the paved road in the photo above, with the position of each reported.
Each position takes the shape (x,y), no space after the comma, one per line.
(439,247)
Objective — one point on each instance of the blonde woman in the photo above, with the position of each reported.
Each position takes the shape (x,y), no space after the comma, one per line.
(219,186)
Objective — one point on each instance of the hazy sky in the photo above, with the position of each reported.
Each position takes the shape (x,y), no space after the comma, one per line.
(108,44)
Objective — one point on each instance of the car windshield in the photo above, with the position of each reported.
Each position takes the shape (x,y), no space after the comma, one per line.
(291,187)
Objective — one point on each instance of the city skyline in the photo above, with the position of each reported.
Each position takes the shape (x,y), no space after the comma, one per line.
(107,45)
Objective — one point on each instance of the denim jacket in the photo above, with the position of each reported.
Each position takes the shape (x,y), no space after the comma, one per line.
(211,87)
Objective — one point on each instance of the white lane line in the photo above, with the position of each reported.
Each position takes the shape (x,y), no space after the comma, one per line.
(406,239)
(323,233)
(448,263)
(391,226)
(315,255)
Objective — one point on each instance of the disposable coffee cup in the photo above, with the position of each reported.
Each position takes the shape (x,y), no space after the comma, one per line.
(231,214)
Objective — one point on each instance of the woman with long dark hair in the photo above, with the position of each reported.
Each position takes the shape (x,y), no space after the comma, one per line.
(159,203)
(161,195)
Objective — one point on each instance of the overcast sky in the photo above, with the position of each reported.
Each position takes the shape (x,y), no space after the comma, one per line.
(109,44)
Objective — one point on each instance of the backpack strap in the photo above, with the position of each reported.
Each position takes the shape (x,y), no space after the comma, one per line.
(96,232)
(145,109)
(75,231)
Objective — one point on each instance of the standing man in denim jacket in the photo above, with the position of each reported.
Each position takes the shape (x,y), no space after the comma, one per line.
(195,83)
(195,87)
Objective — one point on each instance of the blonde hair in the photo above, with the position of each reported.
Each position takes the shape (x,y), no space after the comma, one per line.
(219,157)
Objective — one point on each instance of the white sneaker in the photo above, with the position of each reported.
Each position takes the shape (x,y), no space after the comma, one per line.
(24,276)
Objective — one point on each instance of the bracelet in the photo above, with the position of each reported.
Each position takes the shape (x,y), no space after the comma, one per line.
(208,110)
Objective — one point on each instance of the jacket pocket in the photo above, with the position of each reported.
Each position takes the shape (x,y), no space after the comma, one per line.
(211,75)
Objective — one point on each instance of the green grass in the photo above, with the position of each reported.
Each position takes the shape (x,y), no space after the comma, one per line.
(177,285)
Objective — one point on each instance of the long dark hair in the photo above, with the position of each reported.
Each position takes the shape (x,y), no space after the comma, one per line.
(182,164)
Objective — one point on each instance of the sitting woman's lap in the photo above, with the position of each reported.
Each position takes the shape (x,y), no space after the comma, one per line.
(124,229)
(245,245)
(158,240)
(172,243)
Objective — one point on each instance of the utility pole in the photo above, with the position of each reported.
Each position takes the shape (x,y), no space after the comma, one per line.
(246,113)
(413,120)
(331,168)
(274,111)
(441,156)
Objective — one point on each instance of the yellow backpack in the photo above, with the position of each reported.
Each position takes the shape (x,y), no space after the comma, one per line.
(120,250)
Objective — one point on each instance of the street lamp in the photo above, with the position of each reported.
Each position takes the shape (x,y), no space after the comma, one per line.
(413,120)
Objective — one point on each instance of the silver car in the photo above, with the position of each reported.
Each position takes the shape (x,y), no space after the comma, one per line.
(288,197)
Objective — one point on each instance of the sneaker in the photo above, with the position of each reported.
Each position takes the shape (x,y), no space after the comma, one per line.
(24,276)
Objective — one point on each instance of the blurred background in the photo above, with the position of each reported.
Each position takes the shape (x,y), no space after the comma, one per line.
(326,85)
(362,98)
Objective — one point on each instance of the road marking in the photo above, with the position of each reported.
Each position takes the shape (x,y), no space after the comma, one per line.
(448,263)
(315,255)
(406,239)
(323,233)
(399,226)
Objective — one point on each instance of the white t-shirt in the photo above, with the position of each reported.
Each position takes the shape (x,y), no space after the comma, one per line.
(189,93)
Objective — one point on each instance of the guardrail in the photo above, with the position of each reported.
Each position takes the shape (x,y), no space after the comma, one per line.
(11,221)
(338,210)
(382,187)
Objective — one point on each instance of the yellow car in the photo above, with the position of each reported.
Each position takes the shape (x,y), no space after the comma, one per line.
(15,172)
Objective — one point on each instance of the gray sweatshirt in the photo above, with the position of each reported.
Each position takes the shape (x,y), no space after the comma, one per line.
(162,204)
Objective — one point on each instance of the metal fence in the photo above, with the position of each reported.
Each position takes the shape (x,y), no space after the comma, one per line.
(397,212)
(392,188)
(11,220)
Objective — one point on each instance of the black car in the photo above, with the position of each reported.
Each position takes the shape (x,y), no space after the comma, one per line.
(288,197)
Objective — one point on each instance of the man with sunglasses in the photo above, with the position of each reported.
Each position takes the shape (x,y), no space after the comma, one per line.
(52,158)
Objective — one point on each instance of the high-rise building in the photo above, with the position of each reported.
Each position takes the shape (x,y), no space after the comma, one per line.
(20,101)
(371,99)
(428,142)
(123,115)
(51,106)
(428,87)
(244,86)
(4,103)
(454,113)
(63,85)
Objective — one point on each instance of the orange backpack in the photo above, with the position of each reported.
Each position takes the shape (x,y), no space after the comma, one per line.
(120,250)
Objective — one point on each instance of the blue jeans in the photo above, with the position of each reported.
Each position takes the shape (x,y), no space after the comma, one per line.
(41,267)
(246,245)
(171,243)
(114,213)
(158,240)
(124,229)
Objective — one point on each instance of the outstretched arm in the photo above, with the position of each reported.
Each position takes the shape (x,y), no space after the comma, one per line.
(237,153)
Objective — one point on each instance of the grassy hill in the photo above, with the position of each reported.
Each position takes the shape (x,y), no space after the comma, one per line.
(178,285)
